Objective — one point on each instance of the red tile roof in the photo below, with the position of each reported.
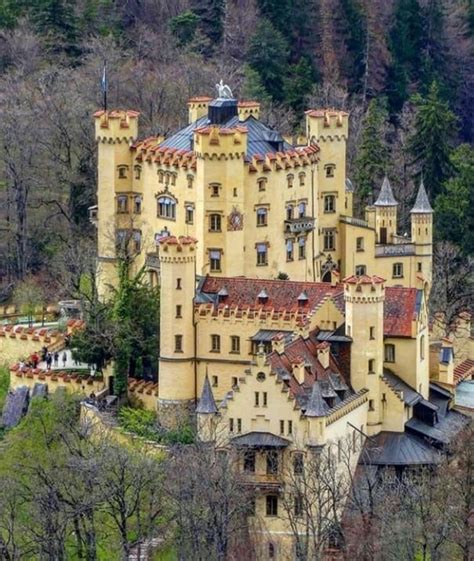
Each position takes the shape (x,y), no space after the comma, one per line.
(463,371)
(399,311)
(364,279)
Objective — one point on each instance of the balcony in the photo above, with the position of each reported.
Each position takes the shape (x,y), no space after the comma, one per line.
(394,250)
(262,481)
(298,225)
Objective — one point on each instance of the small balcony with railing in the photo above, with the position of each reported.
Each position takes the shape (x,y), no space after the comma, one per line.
(299,225)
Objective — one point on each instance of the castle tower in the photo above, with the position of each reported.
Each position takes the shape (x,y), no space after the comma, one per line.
(386,214)
(329,129)
(197,107)
(220,168)
(206,412)
(422,233)
(114,132)
(364,297)
(177,382)
(248,109)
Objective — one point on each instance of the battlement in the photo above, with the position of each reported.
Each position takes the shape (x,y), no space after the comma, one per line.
(116,126)
(364,289)
(289,159)
(220,142)
(327,124)
(179,249)
(248,109)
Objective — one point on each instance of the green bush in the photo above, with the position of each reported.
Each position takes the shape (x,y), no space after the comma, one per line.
(140,422)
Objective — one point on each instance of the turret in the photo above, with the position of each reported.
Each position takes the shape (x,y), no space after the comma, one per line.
(422,232)
(177,386)
(206,412)
(248,109)
(315,412)
(198,107)
(114,132)
(364,297)
(386,214)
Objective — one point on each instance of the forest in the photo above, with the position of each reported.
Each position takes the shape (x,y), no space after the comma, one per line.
(404,69)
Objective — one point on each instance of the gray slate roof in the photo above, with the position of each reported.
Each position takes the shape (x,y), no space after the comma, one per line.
(207,404)
(386,197)
(410,396)
(260,138)
(260,440)
(398,449)
(443,432)
(422,203)
(16,405)
(316,406)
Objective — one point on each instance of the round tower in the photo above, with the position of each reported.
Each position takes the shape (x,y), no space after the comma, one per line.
(115,131)
(386,214)
(422,233)
(177,383)
(364,297)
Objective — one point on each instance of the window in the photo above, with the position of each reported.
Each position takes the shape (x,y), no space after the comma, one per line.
(329,203)
(239,425)
(371,365)
(215,381)
(249,461)
(122,172)
(235,344)
(302,248)
(231,425)
(257,399)
(330,169)
(422,347)
(290,427)
(272,462)
(419,267)
(282,427)
(262,254)
(289,180)
(190,180)
(178,311)
(272,505)
(261,183)
(329,240)
(289,250)
(302,210)
(137,205)
(138,172)
(298,463)
(289,212)
(372,333)
(301,177)
(173,179)
(397,270)
(359,244)
(271,551)
(178,284)
(389,353)
(371,405)
(167,208)
(178,343)
(189,216)
(160,176)
(137,240)
(262,216)
(360,270)
(215,223)
(215,189)
(235,191)
(265,399)
(298,505)
(122,204)
(215,343)
(215,260)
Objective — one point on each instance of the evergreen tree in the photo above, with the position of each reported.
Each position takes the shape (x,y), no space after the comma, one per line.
(184,27)
(434,64)
(253,87)
(268,55)
(278,13)
(432,141)
(455,206)
(211,16)
(55,19)
(372,157)
(356,37)
(299,84)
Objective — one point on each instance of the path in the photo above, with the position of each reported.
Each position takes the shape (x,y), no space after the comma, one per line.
(69,364)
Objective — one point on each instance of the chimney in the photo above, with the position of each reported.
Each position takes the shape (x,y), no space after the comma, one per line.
(298,369)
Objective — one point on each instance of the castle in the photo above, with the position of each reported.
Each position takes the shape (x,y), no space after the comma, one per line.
(287,324)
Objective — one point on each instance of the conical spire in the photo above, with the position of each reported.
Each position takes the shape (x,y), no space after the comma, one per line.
(316,407)
(422,203)
(206,404)
(386,197)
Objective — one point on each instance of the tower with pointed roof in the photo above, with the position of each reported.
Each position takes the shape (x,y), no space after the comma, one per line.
(385,214)
(422,233)
(206,412)
(177,380)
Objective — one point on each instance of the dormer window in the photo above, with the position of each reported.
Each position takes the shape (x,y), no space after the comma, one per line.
(302,298)
(330,170)
(122,172)
(262,296)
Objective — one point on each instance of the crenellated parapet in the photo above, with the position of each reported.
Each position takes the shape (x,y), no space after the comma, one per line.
(326,125)
(213,142)
(181,249)
(116,126)
(364,289)
(300,157)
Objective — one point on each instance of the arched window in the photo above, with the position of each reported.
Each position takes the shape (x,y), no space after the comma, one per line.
(289,250)
(190,179)
(290,179)
(122,204)
(215,222)
(289,212)
(137,204)
(422,347)
(360,270)
(166,208)
(302,177)
(160,176)
(138,171)
(262,215)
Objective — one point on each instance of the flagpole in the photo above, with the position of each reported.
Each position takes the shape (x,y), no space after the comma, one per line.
(104,85)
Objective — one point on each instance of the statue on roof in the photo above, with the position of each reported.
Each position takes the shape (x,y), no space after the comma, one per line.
(223,91)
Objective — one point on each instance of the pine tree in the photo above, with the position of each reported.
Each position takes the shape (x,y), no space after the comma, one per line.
(299,84)
(277,12)
(372,157)
(432,141)
(454,207)
(356,36)
(268,55)
(211,16)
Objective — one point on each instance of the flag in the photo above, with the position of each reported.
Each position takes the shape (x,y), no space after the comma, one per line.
(104,85)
